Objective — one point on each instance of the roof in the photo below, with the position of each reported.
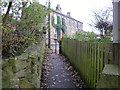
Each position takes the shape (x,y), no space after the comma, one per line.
(64,15)
(68,17)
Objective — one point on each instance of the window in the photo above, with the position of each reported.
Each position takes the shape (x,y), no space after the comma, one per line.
(55,16)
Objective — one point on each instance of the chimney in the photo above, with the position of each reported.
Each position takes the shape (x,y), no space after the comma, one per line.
(68,14)
(58,8)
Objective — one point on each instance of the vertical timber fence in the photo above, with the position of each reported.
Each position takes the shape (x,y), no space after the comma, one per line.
(89,58)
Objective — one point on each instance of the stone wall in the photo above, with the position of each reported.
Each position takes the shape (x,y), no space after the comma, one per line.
(24,71)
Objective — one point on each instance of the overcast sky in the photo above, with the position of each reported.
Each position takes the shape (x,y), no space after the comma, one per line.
(80,9)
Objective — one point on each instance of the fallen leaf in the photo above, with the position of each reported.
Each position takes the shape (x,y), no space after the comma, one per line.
(53,79)
(56,75)
(59,81)
(54,82)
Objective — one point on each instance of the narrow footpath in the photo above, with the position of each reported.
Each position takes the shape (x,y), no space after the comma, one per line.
(58,73)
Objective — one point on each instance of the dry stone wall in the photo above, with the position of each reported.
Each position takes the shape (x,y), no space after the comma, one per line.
(24,71)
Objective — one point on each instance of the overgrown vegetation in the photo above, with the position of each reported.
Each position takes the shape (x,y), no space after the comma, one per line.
(23,24)
(88,36)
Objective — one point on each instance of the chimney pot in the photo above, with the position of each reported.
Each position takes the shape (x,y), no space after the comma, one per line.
(68,14)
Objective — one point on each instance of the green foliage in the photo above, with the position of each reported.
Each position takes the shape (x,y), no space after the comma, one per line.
(5,4)
(58,27)
(61,25)
(53,21)
(32,24)
(28,29)
(64,27)
(88,36)
(67,36)
(106,39)
(82,36)
(58,20)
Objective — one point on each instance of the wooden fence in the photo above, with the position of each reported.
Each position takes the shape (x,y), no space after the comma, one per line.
(90,58)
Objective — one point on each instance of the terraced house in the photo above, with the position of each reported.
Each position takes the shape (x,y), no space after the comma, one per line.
(68,24)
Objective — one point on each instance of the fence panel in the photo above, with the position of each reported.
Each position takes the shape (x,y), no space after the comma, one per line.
(90,58)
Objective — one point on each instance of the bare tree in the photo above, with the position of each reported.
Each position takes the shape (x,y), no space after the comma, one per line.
(102,21)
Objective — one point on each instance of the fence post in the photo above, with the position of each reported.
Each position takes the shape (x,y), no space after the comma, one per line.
(60,47)
(116,53)
(110,76)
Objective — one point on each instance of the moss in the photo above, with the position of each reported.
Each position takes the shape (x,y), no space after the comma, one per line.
(108,81)
(20,74)
(27,71)
(6,84)
(5,63)
(34,58)
(14,82)
(35,79)
(9,72)
(34,69)
(0,62)
(25,84)
(29,78)
(6,79)
(7,75)
(11,61)
(23,56)
(20,64)
(28,61)
(109,77)
(111,69)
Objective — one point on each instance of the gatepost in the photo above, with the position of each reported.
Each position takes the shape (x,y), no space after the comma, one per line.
(110,77)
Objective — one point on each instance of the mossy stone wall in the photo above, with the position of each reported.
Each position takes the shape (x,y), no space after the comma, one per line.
(24,71)
(110,77)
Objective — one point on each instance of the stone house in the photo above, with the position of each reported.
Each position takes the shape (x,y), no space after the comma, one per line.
(72,25)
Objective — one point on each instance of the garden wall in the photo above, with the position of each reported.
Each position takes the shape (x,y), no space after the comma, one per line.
(24,71)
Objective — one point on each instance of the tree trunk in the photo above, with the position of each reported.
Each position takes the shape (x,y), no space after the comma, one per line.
(7,13)
(101,33)
(105,32)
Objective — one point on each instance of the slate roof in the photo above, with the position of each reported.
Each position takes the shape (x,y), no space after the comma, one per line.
(68,17)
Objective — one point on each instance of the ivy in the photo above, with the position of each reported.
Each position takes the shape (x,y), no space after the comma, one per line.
(64,27)
(53,21)
(61,25)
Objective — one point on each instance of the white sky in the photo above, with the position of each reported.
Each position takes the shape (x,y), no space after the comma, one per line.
(80,9)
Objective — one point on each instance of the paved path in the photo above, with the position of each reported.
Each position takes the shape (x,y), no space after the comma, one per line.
(57,73)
